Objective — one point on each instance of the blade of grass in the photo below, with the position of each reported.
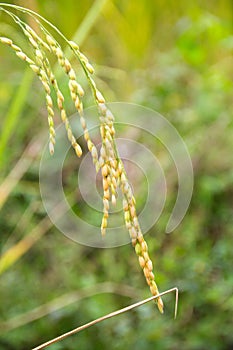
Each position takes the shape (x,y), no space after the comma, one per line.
(14,113)
(16,251)
(87,23)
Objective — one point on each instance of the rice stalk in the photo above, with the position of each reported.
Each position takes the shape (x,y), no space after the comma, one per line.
(112,168)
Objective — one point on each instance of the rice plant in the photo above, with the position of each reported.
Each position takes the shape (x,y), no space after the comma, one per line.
(42,45)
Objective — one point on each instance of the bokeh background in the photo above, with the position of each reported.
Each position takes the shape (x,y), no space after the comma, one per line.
(176,58)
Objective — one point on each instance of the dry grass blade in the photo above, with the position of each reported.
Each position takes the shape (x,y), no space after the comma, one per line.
(112,314)
(20,248)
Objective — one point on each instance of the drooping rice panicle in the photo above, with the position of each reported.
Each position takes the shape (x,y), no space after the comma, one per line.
(112,168)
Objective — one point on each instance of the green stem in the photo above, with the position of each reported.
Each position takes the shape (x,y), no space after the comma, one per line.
(87,23)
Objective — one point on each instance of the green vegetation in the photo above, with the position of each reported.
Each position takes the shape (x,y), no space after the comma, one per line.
(177,60)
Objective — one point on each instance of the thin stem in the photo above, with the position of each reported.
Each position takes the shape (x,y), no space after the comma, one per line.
(112,314)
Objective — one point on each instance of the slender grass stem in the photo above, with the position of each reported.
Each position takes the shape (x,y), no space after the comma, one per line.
(112,314)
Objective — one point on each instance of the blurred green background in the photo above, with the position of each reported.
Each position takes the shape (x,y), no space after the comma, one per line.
(176,58)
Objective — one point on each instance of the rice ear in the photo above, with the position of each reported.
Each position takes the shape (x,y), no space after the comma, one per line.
(112,168)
